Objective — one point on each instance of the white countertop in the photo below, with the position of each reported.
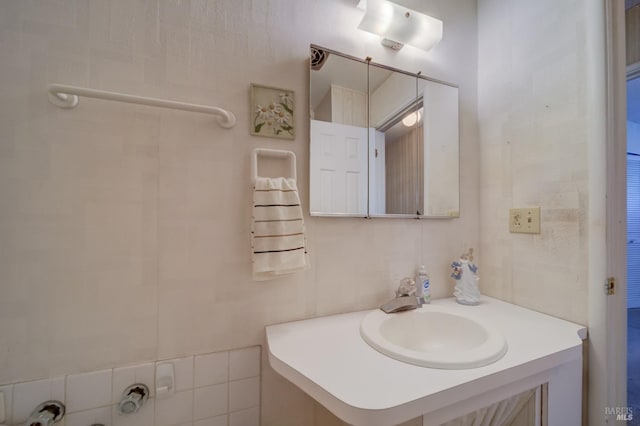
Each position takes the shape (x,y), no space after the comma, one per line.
(328,359)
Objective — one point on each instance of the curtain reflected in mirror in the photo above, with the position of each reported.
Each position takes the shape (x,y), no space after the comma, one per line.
(393,168)
(404,166)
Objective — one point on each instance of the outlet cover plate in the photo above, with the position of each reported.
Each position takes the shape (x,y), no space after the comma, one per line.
(524,220)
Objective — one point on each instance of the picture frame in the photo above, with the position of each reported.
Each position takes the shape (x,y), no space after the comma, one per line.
(272,112)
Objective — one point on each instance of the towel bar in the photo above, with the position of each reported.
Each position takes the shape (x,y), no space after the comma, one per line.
(277,153)
(65,96)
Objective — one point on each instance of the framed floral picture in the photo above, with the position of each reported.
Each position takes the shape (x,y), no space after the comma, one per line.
(272,112)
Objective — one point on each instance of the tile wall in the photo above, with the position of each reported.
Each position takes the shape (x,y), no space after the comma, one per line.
(214,389)
(125,230)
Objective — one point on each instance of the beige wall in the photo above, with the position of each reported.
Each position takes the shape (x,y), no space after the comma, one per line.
(533,100)
(124,230)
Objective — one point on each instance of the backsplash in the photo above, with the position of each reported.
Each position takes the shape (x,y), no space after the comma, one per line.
(214,389)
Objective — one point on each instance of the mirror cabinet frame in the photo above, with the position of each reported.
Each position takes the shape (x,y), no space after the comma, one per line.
(320,54)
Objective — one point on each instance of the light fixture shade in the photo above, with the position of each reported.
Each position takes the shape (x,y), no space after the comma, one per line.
(411,119)
(398,23)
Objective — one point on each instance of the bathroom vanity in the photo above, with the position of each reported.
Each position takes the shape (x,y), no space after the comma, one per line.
(328,359)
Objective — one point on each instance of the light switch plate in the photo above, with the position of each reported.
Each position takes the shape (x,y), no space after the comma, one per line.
(524,220)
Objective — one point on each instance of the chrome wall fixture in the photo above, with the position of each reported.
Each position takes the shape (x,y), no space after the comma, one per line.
(133,398)
(46,414)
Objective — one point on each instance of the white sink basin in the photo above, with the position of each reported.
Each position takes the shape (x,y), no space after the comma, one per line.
(435,337)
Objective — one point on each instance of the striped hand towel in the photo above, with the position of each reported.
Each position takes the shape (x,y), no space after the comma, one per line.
(279,244)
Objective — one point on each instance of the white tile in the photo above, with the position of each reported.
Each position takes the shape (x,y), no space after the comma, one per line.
(244,363)
(250,417)
(144,417)
(7,392)
(212,421)
(28,395)
(183,373)
(211,369)
(210,401)
(125,376)
(88,390)
(244,393)
(175,409)
(85,418)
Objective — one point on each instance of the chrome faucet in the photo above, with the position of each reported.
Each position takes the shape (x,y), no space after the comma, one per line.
(406,298)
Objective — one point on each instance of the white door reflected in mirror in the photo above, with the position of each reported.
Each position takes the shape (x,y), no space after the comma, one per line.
(338,168)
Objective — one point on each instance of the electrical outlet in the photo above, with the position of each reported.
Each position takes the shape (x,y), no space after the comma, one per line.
(524,221)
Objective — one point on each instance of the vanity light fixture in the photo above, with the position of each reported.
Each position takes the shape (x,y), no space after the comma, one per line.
(398,25)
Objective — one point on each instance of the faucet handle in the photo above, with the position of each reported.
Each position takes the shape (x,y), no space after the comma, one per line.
(46,414)
(407,287)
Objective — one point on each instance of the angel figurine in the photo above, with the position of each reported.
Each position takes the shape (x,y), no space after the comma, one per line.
(465,272)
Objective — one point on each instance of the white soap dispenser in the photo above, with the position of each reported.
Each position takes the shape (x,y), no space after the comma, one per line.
(423,285)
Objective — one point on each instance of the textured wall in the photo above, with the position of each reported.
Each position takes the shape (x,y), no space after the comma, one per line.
(532,101)
(124,230)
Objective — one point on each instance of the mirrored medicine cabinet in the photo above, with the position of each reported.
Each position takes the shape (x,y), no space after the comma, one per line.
(383,142)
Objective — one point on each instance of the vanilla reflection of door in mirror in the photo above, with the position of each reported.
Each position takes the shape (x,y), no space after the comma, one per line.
(338,133)
(338,168)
